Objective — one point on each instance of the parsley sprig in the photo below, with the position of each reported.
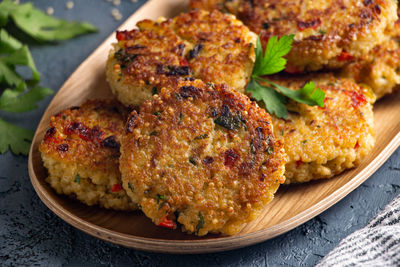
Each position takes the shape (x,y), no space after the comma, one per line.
(20,93)
(273,95)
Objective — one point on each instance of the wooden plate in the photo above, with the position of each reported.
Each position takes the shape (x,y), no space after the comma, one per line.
(292,206)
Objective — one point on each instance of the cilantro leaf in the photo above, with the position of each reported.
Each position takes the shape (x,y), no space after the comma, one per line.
(16,138)
(40,26)
(14,101)
(272,61)
(274,102)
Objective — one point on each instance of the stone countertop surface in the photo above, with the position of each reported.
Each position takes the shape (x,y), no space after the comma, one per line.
(30,234)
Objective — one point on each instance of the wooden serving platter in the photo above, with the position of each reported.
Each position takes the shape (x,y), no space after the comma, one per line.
(292,206)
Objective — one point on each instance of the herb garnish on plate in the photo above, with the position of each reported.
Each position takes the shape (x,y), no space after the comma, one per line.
(274,95)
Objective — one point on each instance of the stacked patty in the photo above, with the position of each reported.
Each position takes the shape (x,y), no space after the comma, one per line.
(211,46)
(327,33)
(323,142)
(380,69)
(81,153)
(202,155)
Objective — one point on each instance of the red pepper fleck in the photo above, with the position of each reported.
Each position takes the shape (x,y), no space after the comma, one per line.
(292,69)
(312,24)
(183,62)
(50,134)
(344,56)
(357,145)
(299,162)
(83,131)
(122,35)
(167,223)
(116,188)
(357,98)
(230,158)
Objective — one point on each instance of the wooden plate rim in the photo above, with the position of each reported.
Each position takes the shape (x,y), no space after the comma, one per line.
(212,244)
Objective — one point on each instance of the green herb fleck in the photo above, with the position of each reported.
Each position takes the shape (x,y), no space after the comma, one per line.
(180,118)
(211,85)
(130,187)
(270,150)
(304,141)
(193,160)
(203,136)
(154,133)
(229,120)
(77,179)
(157,113)
(154,91)
(177,96)
(322,31)
(200,223)
(161,197)
(252,148)
(282,132)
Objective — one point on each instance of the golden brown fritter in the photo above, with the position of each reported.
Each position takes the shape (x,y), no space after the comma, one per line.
(81,153)
(202,155)
(380,69)
(323,142)
(328,33)
(214,47)
(230,6)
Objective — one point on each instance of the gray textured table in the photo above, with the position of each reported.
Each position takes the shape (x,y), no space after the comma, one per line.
(30,234)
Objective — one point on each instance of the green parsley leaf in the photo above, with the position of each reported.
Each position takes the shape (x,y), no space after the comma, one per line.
(3,18)
(308,94)
(8,43)
(77,179)
(272,61)
(14,101)
(21,57)
(274,102)
(40,26)
(15,138)
(274,95)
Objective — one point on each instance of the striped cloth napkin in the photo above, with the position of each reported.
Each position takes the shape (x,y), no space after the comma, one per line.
(378,244)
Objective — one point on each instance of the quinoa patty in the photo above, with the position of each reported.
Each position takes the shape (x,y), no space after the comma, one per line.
(380,70)
(323,142)
(214,47)
(328,33)
(81,153)
(202,155)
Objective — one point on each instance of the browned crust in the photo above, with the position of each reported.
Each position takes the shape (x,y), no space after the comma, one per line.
(82,132)
(211,46)
(323,31)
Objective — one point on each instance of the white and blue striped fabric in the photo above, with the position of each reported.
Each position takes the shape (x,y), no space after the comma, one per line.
(378,244)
